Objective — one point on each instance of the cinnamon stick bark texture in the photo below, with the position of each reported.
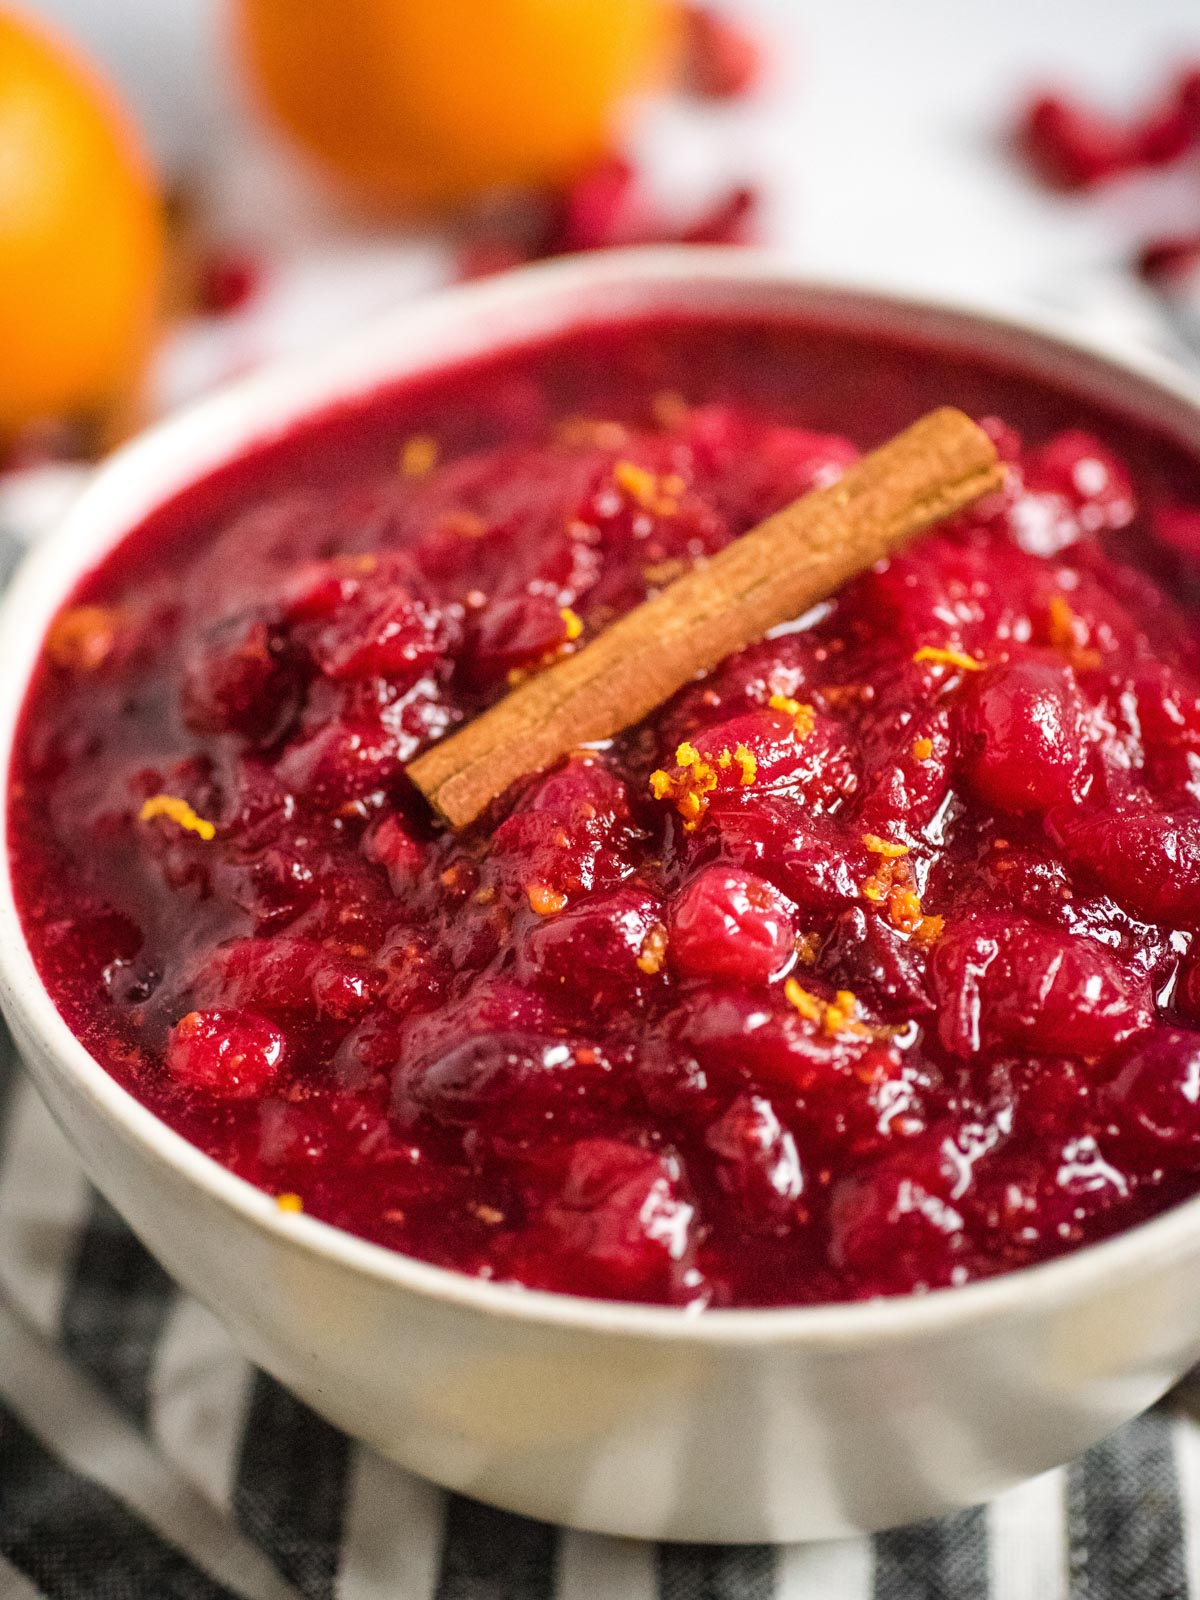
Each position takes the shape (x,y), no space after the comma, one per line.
(768,576)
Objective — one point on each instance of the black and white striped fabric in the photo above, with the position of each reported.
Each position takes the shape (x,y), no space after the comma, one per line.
(141,1458)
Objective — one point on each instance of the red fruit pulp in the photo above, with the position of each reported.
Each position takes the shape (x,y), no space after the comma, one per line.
(863,966)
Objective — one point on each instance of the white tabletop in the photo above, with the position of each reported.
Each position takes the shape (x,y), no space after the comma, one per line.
(878,141)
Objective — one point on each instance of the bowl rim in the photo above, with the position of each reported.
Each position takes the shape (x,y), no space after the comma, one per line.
(241,415)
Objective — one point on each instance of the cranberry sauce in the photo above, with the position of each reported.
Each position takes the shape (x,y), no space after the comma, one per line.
(864,966)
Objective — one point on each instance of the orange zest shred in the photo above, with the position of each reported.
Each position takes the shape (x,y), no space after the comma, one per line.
(689,788)
(176,811)
(669,408)
(1069,633)
(289,1202)
(653,951)
(839,1015)
(647,489)
(463,525)
(598,432)
(922,749)
(418,455)
(572,622)
(82,637)
(804,718)
(891,886)
(808,946)
(545,900)
(883,847)
(948,658)
(840,695)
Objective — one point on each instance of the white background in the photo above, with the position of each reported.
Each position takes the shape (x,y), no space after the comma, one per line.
(879,141)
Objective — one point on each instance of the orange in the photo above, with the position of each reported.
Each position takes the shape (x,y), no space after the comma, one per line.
(80,232)
(422,102)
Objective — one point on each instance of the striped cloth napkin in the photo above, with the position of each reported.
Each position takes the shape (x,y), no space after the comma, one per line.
(142,1458)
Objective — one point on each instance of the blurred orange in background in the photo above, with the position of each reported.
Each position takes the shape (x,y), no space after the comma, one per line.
(419,103)
(81,237)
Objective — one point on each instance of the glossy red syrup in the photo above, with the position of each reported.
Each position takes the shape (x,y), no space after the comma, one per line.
(864,967)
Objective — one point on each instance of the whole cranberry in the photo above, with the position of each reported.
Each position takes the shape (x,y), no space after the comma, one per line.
(731,924)
(757,1164)
(230,1055)
(1024,744)
(1155,1097)
(589,953)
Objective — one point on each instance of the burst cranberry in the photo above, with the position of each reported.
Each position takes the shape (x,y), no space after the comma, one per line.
(285,975)
(1024,746)
(617,1221)
(895,1226)
(389,634)
(1005,982)
(487,1074)
(1155,1097)
(240,681)
(816,867)
(230,1055)
(1024,1208)
(1088,475)
(885,968)
(758,1165)
(729,924)
(513,633)
(1148,860)
(391,846)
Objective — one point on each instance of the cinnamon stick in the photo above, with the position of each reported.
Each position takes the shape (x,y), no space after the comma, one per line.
(773,573)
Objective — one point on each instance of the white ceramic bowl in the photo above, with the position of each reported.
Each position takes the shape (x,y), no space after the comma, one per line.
(725,1426)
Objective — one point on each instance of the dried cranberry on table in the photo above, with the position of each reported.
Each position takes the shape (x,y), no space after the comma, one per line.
(869,964)
(721,58)
(228,281)
(606,207)
(1072,145)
